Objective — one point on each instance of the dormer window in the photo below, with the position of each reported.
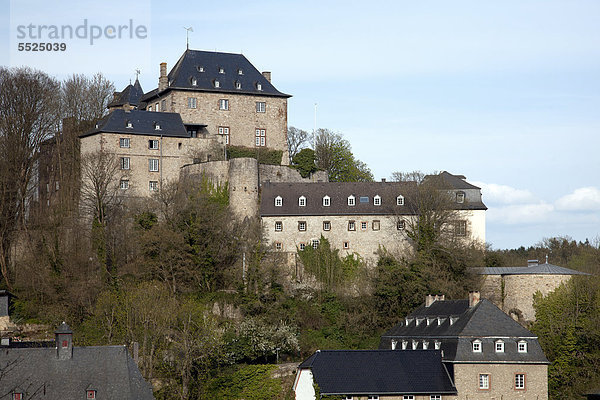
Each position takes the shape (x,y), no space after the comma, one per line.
(437,344)
(351,200)
(194,82)
(240,72)
(156,126)
(278,201)
(522,346)
(477,346)
(425,344)
(460,197)
(377,200)
(238,85)
(302,201)
(129,125)
(404,344)
(217,84)
(200,68)
(259,86)
(400,200)
(394,343)
(221,70)
(499,346)
(415,344)
(326,201)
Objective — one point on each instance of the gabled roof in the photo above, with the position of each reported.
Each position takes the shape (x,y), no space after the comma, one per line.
(108,369)
(205,67)
(379,372)
(338,193)
(538,269)
(132,95)
(143,123)
(458,325)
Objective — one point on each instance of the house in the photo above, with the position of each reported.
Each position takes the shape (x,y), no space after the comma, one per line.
(128,99)
(223,95)
(374,375)
(360,217)
(58,370)
(149,147)
(512,288)
(487,353)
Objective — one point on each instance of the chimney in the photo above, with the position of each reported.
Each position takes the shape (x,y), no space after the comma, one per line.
(382,180)
(532,263)
(429,299)
(267,75)
(64,342)
(163,81)
(473,298)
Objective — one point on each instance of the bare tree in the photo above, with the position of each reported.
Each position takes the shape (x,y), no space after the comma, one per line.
(297,139)
(99,184)
(28,116)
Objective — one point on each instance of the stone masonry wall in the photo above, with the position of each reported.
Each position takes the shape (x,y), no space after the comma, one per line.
(501,381)
(241,118)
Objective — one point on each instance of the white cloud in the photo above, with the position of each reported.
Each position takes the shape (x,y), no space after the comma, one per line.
(503,194)
(518,214)
(582,199)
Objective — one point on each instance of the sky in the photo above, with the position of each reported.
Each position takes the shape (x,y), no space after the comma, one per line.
(505,93)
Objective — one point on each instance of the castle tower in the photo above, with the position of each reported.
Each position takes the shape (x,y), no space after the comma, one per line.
(243,187)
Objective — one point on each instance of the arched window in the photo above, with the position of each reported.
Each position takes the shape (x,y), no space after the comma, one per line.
(302,201)
(351,200)
(377,200)
(326,201)
(278,201)
(400,200)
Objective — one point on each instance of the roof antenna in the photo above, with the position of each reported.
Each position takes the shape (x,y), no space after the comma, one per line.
(137,73)
(187,36)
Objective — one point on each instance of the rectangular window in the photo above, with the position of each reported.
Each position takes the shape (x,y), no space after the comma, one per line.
(460,197)
(346,245)
(224,131)
(124,184)
(376,225)
(400,225)
(156,107)
(302,201)
(522,347)
(261,106)
(315,244)
(278,226)
(153,164)
(363,226)
(351,225)
(124,162)
(153,186)
(278,246)
(153,144)
(302,226)
(260,137)
(302,246)
(224,104)
(519,381)
(484,381)
(351,201)
(377,201)
(192,102)
(405,397)
(499,347)
(373,398)
(460,228)
(364,199)
(124,143)
(476,346)
(326,225)
(91,394)
(163,105)
(17,396)
(435,397)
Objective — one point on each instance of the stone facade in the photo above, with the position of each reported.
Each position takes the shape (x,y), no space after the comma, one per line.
(501,381)
(241,118)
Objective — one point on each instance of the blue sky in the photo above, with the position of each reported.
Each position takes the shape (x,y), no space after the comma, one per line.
(506,93)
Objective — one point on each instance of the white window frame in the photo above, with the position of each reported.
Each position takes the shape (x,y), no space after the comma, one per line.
(315,243)
(194,82)
(477,345)
(238,85)
(124,143)
(153,186)
(401,225)
(522,346)
(302,246)
(484,381)
(326,225)
(129,125)
(499,346)
(260,137)
(351,200)
(153,144)
(520,381)
(460,228)
(224,104)
(192,102)
(377,200)
(346,245)
(125,163)
(400,200)
(217,84)
(301,201)
(261,106)
(408,397)
(364,225)
(153,164)
(221,70)
(224,132)
(156,107)
(302,226)
(437,345)
(259,86)
(435,397)
(124,184)
(326,201)
(278,201)
(278,226)
(156,126)
(352,226)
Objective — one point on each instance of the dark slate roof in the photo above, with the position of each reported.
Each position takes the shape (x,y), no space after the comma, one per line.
(143,124)
(484,321)
(539,269)
(107,369)
(456,181)
(132,95)
(338,193)
(379,372)
(189,64)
